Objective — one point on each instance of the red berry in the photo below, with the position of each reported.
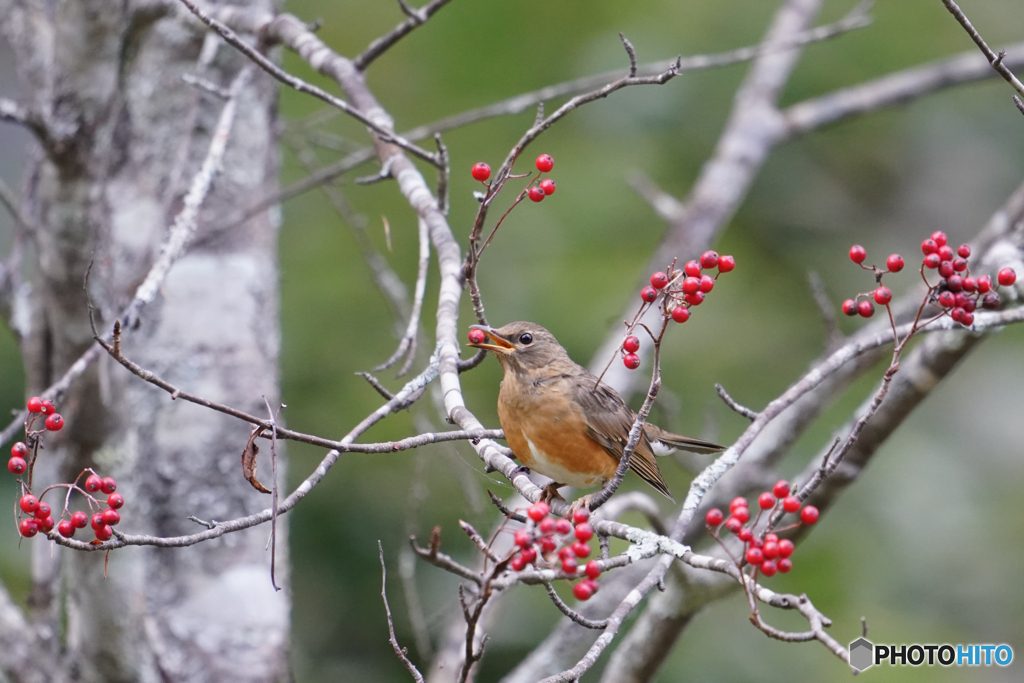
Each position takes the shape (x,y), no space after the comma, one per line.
(946,269)
(929,247)
(768,568)
(96,520)
(631,361)
(582,591)
(1006,277)
(857,254)
(536,194)
(19,449)
(523,538)
(691,285)
(563,527)
(969,306)
(947,300)
(733,525)
(104,532)
(548,186)
(883,295)
(477,336)
(695,299)
(548,544)
(786,547)
(66,528)
(766,501)
(754,556)
(850,307)
(648,294)
(28,503)
(93,483)
(970,284)
(35,405)
(547,525)
(991,301)
(528,554)
(565,553)
(79,519)
(709,259)
(774,538)
(945,253)
(957,314)
(569,565)
(745,534)
(959,265)
(17,465)
(781,488)
(809,515)
(894,263)
(726,263)
(955,283)
(785,565)
(692,269)
(580,515)
(967,319)
(517,563)
(714,517)
(791,504)
(55,422)
(593,569)
(865,309)
(109,485)
(963,251)
(659,280)
(742,514)
(536,512)
(545,163)
(939,238)
(46,408)
(481,171)
(631,345)
(984,284)
(45,524)
(756,542)
(932,261)
(770,549)
(584,532)
(680,314)
(737,502)
(580,549)
(28,528)
(42,510)
(707,283)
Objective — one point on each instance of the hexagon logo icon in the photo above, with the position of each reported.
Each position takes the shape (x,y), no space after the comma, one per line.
(862,654)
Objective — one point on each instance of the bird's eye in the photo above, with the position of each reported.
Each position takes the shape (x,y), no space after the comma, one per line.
(525,338)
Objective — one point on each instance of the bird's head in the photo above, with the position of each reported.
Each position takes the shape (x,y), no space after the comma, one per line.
(520,345)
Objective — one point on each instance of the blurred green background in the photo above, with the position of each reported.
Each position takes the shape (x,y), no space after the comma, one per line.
(928,545)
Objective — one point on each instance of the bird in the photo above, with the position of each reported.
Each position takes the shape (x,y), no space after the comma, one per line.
(562,422)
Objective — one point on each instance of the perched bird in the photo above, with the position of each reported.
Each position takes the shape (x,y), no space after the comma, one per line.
(561,422)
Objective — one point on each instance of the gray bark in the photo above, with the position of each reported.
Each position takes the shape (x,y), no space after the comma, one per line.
(127,136)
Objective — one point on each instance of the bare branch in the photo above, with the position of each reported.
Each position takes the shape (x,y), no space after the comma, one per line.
(742,410)
(572,614)
(995,60)
(400,651)
(407,345)
(381,45)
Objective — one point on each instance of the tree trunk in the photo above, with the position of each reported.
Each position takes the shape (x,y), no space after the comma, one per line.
(108,76)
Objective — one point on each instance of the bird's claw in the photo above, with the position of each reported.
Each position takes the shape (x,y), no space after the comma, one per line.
(583,502)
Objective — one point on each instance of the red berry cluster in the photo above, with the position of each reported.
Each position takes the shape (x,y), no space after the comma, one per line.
(21,455)
(682,290)
(536,192)
(768,554)
(545,538)
(958,293)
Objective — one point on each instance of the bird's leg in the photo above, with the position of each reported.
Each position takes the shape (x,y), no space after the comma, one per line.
(583,502)
(550,492)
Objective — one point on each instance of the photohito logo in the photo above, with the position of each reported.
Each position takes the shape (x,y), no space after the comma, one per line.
(864,654)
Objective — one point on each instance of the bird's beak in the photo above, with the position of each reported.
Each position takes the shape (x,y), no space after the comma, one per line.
(499,345)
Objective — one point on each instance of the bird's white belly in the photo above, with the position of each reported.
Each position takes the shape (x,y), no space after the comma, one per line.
(542,464)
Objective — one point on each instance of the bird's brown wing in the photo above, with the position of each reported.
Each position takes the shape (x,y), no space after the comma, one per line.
(609,420)
(686,443)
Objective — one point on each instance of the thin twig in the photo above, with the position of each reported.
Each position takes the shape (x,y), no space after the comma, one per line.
(381,45)
(995,60)
(400,651)
(729,401)
(571,613)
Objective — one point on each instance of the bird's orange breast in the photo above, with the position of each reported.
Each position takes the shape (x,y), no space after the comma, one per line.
(547,431)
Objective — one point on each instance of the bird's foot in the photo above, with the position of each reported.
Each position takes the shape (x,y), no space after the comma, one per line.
(583,502)
(550,492)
